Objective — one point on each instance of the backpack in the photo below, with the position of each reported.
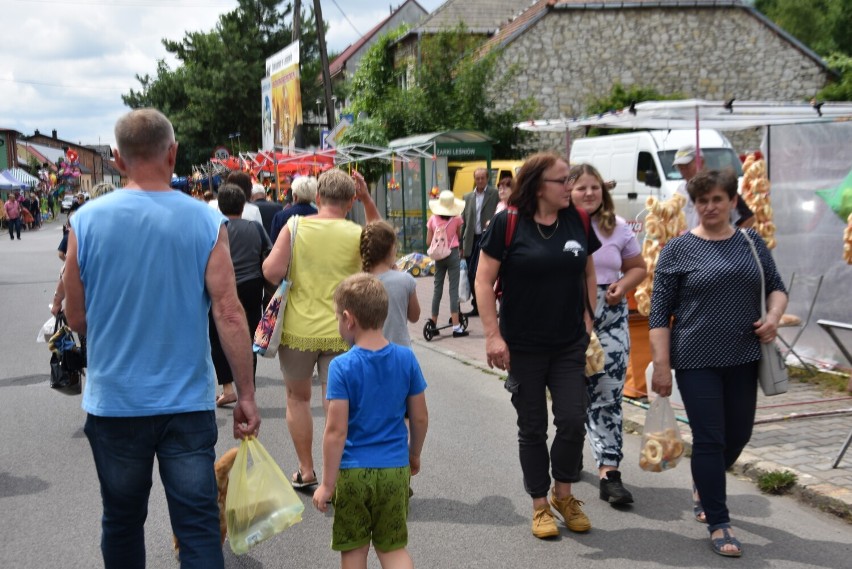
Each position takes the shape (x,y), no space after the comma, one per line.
(440,247)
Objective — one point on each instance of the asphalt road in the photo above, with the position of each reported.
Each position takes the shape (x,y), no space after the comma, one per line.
(469,509)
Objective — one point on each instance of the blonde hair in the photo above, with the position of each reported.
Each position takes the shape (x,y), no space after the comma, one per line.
(101,189)
(364,296)
(377,241)
(304,189)
(335,187)
(606,211)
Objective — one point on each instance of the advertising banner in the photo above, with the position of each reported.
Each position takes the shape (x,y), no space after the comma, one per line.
(267,137)
(282,69)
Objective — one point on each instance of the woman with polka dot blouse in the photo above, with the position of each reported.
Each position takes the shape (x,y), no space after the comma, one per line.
(706,325)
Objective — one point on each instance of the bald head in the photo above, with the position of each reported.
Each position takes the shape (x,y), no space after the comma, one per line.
(143,135)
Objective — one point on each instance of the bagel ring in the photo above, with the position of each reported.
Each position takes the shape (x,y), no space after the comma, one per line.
(653,451)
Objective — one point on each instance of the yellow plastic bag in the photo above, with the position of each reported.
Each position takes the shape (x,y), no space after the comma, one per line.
(260,502)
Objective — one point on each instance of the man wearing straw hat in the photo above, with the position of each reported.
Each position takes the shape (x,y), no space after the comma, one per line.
(479,207)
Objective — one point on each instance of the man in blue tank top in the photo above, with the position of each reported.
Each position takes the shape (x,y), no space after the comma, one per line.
(144,266)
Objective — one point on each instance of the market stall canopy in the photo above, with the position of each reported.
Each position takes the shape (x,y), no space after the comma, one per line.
(9,182)
(22,176)
(293,161)
(719,115)
(451,143)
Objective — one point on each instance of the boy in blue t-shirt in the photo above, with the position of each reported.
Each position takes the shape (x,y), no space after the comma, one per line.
(368,458)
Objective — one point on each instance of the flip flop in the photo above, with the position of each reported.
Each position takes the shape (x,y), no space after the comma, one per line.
(299,482)
(726,539)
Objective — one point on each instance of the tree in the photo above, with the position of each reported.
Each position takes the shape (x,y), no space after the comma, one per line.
(215,89)
(824,26)
(840,90)
(369,132)
(451,90)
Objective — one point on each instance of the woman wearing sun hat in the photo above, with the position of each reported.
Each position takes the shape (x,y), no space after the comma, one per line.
(447,217)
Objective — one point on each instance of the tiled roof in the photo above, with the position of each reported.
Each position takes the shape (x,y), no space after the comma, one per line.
(480,16)
(340,61)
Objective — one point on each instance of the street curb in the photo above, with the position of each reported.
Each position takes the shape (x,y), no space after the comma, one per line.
(807,489)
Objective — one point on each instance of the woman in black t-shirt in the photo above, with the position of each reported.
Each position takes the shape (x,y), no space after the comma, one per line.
(548,283)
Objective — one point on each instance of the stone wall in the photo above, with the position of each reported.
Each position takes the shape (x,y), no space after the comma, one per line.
(570,57)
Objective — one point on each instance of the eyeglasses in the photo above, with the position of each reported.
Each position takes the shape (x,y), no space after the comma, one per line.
(564,181)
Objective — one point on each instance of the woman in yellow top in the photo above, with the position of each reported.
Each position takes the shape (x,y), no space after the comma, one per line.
(326,251)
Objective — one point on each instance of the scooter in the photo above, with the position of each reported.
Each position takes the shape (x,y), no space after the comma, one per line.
(430,330)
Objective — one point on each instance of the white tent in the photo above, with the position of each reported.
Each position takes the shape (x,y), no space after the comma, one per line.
(719,115)
(9,182)
(22,176)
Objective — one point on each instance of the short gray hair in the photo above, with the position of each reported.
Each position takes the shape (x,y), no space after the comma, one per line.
(304,189)
(143,134)
(336,187)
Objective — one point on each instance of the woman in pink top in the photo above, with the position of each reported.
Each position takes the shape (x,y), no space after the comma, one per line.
(447,217)
(619,268)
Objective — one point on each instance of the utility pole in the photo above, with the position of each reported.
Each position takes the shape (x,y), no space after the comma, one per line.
(326,74)
(297,20)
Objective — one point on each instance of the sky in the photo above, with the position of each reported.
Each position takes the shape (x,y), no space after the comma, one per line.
(64,64)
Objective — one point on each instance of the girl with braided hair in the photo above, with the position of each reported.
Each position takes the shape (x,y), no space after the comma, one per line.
(378,257)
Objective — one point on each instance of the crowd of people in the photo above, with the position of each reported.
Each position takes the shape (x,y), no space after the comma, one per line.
(546,242)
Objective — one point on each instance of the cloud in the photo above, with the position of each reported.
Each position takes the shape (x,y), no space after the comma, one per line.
(66,63)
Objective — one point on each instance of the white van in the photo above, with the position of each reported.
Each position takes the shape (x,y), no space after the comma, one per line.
(641,163)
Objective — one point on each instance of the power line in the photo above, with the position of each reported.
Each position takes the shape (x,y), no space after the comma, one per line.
(346,18)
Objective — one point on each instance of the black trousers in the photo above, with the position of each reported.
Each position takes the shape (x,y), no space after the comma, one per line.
(562,373)
(251,297)
(472,264)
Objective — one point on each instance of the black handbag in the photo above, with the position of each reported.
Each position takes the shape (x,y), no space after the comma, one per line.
(68,360)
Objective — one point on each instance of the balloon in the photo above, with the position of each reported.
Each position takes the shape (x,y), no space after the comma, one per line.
(72,155)
(52,178)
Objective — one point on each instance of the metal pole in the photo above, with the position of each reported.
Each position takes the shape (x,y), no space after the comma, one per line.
(326,74)
(297,20)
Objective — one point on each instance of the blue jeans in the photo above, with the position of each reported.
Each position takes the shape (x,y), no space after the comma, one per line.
(720,403)
(124,450)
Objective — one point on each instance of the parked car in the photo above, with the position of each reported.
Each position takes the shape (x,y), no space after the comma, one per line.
(68,200)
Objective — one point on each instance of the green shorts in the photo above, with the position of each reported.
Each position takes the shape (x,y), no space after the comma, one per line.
(371,504)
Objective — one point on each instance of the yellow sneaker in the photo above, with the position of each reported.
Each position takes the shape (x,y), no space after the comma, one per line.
(544,525)
(569,509)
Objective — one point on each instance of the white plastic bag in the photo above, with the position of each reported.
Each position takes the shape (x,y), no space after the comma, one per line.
(662,445)
(46,331)
(464,284)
